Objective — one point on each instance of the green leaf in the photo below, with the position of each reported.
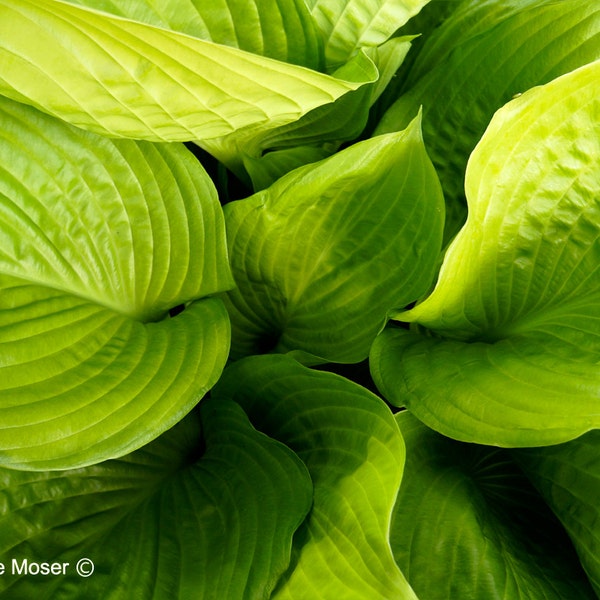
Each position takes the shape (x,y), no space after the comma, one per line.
(447,25)
(267,169)
(482,56)
(280,29)
(468,524)
(99,240)
(388,57)
(322,255)
(512,353)
(420,28)
(318,134)
(351,445)
(568,477)
(124,78)
(331,123)
(163,522)
(349,25)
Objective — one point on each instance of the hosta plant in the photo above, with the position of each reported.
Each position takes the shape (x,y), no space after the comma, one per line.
(300,299)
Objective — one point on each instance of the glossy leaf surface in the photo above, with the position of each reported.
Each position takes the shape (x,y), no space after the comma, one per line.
(348,25)
(484,54)
(280,29)
(126,78)
(468,524)
(172,520)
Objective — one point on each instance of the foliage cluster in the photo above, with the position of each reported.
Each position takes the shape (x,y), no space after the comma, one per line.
(300,299)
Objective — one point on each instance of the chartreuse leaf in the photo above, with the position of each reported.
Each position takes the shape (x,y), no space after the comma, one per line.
(468,524)
(280,29)
(243,151)
(482,56)
(322,255)
(284,30)
(568,477)
(511,357)
(99,240)
(163,522)
(349,25)
(125,78)
(318,134)
(349,441)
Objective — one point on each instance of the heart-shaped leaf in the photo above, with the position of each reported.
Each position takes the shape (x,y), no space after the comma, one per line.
(99,240)
(514,345)
(352,448)
(322,255)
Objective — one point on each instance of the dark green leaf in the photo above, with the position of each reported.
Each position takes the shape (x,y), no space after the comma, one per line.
(467,524)
(161,523)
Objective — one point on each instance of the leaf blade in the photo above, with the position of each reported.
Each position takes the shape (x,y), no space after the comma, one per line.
(567,477)
(513,327)
(151,518)
(348,25)
(342,549)
(483,55)
(279,29)
(341,243)
(141,81)
(468,523)
(99,240)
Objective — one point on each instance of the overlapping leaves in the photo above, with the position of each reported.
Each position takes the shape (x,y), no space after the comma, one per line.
(227,76)
(347,25)
(568,477)
(130,79)
(354,452)
(279,29)
(206,511)
(92,367)
(515,345)
(322,255)
(483,55)
(99,240)
(468,523)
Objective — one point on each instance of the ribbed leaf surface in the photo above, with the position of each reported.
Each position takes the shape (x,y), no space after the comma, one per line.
(321,256)
(126,78)
(483,55)
(568,477)
(280,29)
(99,240)
(163,522)
(468,524)
(348,25)
(350,443)
(513,359)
